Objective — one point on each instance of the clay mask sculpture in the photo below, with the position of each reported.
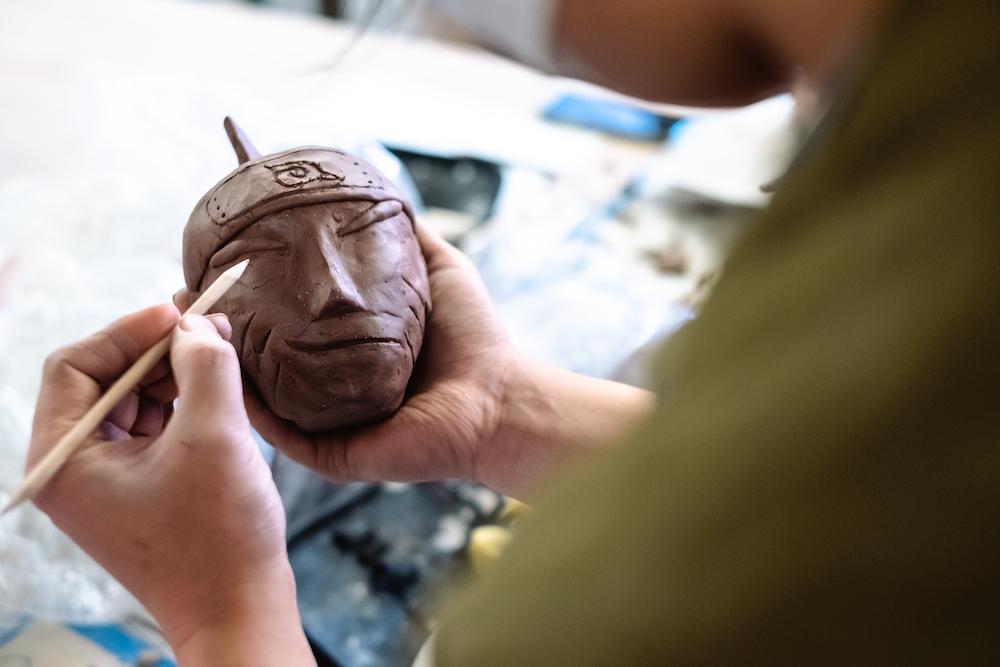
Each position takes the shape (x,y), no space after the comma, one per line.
(329,317)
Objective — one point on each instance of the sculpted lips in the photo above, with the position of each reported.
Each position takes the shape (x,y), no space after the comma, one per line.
(326,345)
(358,329)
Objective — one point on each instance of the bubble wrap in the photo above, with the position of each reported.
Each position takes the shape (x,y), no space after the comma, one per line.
(74,262)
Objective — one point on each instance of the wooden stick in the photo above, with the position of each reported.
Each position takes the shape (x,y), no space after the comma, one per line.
(50,464)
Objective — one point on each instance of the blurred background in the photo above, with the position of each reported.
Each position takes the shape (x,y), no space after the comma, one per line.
(596,221)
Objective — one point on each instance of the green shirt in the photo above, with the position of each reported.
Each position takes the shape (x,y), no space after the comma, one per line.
(821,482)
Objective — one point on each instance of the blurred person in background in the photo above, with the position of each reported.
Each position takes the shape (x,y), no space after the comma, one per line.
(816,481)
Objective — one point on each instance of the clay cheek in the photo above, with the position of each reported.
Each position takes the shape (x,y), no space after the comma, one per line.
(374,250)
(387,248)
(392,282)
(255,315)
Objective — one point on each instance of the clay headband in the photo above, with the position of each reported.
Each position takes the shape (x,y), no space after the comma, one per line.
(260,186)
(299,177)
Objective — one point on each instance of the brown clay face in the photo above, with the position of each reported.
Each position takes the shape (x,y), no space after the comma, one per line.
(328,318)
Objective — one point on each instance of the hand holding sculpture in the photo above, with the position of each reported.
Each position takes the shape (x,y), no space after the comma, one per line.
(329,317)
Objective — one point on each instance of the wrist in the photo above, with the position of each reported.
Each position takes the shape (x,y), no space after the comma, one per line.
(250,621)
(526,417)
(548,417)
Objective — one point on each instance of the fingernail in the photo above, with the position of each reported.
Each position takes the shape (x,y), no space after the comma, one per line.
(187,323)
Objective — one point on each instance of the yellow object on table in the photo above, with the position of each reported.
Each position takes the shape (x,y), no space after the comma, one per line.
(486,545)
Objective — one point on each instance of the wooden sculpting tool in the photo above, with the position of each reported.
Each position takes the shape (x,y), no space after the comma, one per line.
(50,464)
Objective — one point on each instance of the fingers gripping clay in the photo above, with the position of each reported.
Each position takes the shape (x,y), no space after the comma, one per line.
(329,317)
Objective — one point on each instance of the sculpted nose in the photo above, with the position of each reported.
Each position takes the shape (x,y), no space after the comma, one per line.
(334,290)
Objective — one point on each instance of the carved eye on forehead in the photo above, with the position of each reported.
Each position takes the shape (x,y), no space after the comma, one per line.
(300,172)
(354,216)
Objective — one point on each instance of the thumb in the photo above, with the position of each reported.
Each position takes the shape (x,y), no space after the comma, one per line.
(437,252)
(209,386)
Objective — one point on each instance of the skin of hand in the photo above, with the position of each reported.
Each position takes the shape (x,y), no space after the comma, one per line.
(476,408)
(176,503)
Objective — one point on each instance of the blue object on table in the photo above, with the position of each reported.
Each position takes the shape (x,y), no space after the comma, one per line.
(609,116)
(24,640)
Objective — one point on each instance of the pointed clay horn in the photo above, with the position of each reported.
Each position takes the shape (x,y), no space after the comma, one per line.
(245,150)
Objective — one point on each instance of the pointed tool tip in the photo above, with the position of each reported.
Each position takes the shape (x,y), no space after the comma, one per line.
(22,493)
(237,270)
(14,502)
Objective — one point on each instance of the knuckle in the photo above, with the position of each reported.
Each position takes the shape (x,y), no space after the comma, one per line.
(56,361)
(335,462)
(212,354)
(461,261)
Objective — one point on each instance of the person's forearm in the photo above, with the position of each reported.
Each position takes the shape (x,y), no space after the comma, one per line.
(698,52)
(551,417)
(260,628)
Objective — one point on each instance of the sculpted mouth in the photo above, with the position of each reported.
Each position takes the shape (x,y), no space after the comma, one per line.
(326,345)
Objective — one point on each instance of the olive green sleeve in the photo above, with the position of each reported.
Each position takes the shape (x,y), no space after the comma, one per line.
(821,483)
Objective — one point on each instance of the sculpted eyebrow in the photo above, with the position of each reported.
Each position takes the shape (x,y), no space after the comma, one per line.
(383,210)
(237,248)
